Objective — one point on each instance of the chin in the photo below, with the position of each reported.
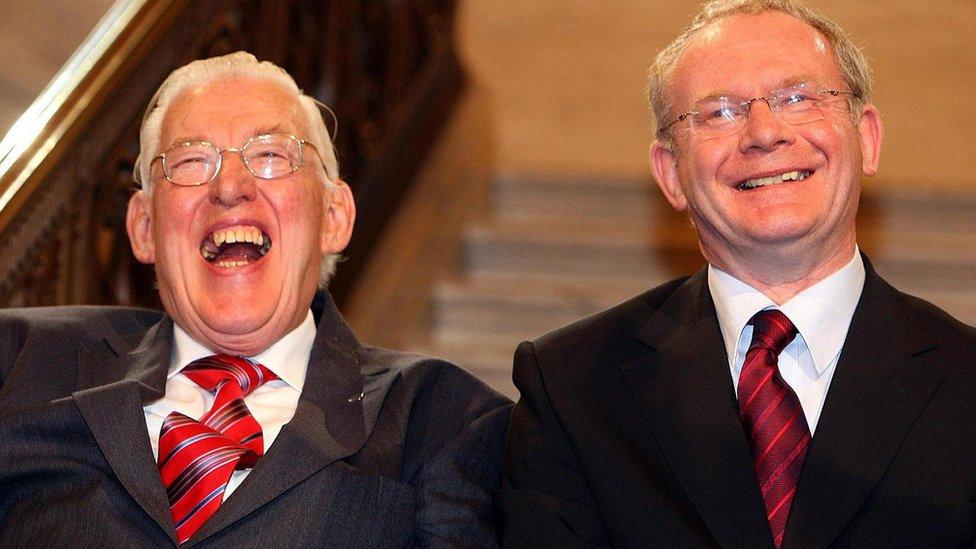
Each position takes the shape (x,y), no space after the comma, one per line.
(237,321)
(782,231)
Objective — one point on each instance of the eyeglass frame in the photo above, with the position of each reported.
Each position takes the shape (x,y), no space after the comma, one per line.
(239,150)
(749,102)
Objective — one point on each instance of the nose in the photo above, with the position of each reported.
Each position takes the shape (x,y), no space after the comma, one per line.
(763,130)
(233,183)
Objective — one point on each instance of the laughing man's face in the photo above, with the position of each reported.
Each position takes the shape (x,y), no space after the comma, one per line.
(237,259)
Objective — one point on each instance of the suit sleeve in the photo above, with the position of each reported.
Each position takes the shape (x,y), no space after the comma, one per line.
(455,483)
(544,500)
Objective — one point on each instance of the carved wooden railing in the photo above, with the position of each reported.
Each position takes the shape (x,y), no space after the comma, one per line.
(387,68)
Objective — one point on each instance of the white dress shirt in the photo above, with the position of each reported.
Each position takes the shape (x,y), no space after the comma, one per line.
(272,404)
(821,313)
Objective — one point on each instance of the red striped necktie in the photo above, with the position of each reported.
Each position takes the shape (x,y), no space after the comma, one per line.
(197,458)
(773,418)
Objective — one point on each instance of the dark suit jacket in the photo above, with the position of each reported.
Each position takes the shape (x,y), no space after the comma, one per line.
(411,462)
(628,433)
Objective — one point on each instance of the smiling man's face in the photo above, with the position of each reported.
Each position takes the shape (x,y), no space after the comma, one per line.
(727,183)
(237,259)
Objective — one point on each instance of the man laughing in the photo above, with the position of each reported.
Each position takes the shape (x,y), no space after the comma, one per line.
(232,419)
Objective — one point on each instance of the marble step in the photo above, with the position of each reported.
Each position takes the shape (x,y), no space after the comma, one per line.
(487,358)
(887,208)
(577,248)
(521,307)
(520,196)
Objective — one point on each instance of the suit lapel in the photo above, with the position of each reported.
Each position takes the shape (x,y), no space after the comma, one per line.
(329,423)
(686,394)
(114,383)
(875,396)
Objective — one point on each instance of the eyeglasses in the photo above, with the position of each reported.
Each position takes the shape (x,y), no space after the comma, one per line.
(724,115)
(195,163)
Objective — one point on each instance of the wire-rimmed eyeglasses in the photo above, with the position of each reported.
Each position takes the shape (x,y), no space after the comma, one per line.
(269,156)
(723,115)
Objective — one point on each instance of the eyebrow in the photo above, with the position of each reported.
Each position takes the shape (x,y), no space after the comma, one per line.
(265,130)
(190,139)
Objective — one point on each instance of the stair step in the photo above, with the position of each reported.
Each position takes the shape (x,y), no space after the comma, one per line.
(488,359)
(519,196)
(581,249)
(526,308)
(900,209)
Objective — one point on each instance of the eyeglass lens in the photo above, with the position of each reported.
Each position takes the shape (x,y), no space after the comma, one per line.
(723,115)
(266,157)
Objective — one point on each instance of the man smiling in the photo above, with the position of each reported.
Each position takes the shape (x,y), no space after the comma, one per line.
(785,395)
(232,419)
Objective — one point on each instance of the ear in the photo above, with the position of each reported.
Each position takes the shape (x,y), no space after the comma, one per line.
(870,132)
(340,216)
(664,165)
(139,226)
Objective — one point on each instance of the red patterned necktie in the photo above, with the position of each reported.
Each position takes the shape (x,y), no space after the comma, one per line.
(196,458)
(772,417)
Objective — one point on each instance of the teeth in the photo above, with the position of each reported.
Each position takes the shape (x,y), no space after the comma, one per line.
(231,235)
(774,179)
(210,247)
(230,264)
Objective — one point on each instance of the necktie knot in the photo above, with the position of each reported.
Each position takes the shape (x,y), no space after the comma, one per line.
(217,372)
(771,330)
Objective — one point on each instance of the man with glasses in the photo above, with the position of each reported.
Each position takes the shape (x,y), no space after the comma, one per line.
(233,419)
(783,396)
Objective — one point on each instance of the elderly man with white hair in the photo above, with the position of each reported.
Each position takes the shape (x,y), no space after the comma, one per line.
(232,419)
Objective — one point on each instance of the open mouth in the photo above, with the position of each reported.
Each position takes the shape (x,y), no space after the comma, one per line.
(235,246)
(773,180)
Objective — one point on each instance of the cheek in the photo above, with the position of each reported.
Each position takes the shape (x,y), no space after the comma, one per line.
(699,169)
(300,213)
(173,220)
(838,139)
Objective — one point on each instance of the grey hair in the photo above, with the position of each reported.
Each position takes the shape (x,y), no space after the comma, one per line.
(229,67)
(852,62)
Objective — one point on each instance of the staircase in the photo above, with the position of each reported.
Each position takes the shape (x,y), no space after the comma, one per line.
(555,250)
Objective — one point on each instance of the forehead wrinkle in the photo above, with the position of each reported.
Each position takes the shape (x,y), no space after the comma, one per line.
(175,115)
(715,31)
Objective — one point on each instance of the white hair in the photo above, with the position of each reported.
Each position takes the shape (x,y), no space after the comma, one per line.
(229,67)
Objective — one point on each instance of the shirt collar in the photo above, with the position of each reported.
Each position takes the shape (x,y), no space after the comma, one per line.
(287,358)
(821,313)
